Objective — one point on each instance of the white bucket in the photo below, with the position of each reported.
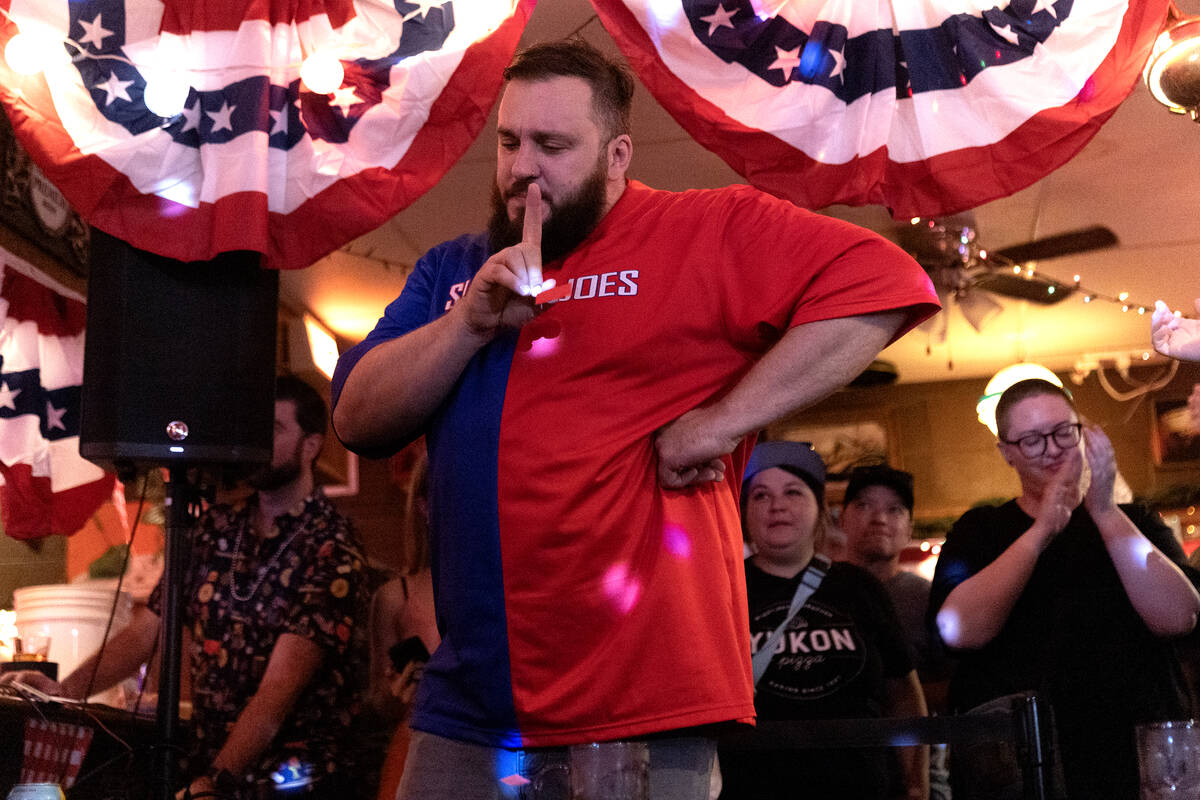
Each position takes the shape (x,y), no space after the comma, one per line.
(74,616)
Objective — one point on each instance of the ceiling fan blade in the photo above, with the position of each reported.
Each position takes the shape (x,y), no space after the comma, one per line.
(1037,289)
(1096,237)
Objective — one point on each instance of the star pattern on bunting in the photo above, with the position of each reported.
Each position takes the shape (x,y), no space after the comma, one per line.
(345,99)
(786,60)
(279,121)
(114,89)
(423,8)
(94,33)
(54,417)
(222,117)
(719,19)
(8,397)
(191,116)
(839,63)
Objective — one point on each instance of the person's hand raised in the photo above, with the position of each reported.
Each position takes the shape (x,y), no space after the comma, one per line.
(1061,495)
(1173,335)
(501,293)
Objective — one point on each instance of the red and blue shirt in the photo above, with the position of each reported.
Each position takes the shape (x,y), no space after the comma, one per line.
(577,599)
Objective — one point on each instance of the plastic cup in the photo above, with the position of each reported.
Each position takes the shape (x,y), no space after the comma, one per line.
(1169,759)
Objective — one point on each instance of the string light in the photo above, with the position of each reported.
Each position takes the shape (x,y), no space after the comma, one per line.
(33,49)
(322,72)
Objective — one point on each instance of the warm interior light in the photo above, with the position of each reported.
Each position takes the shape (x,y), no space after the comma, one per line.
(322,72)
(32,50)
(321,345)
(1172,73)
(1013,373)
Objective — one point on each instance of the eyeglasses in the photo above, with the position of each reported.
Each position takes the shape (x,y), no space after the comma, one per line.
(1033,444)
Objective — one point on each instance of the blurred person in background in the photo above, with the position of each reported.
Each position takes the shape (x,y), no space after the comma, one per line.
(272,596)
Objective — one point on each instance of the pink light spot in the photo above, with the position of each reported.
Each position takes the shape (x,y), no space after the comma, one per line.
(677,541)
(515,780)
(1088,91)
(621,589)
(540,348)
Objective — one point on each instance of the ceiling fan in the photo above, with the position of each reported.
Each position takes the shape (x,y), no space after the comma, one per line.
(964,272)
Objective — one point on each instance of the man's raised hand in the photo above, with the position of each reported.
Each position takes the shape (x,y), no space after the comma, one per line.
(501,293)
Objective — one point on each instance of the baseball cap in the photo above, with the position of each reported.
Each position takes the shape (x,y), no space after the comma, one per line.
(799,458)
(898,481)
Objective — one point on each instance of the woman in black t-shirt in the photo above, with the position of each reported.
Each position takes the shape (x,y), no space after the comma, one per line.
(842,656)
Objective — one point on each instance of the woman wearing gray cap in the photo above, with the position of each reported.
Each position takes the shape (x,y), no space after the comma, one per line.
(823,649)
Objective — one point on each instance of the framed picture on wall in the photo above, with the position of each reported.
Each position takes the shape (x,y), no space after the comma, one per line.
(844,443)
(1175,436)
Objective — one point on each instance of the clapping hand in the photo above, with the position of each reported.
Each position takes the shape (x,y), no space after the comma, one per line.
(1174,335)
(1103,466)
(1061,495)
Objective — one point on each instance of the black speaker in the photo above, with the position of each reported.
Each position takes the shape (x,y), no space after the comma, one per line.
(179,361)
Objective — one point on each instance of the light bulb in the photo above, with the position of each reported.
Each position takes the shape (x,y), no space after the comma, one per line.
(322,73)
(32,50)
(166,92)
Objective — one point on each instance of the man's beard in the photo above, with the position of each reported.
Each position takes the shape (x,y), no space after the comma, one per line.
(571,221)
(270,477)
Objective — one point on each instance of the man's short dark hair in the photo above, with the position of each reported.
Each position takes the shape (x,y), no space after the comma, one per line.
(1023,390)
(311,412)
(611,81)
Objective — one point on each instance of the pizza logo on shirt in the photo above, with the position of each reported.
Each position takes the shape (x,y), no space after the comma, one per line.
(622,283)
(819,653)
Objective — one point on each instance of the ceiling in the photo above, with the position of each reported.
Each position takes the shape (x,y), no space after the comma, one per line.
(1138,177)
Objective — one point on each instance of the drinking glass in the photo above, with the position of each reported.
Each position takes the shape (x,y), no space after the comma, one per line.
(31,648)
(1169,759)
(610,771)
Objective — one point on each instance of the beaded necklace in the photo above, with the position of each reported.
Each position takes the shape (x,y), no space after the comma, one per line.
(262,571)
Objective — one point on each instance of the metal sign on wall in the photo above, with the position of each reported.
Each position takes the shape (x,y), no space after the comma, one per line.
(35,209)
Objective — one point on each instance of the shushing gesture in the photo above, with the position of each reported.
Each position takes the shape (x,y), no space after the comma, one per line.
(1173,335)
(501,294)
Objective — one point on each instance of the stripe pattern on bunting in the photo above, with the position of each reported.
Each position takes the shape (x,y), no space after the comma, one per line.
(48,488)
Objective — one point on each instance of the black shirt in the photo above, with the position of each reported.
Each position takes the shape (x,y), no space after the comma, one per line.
(1074,636)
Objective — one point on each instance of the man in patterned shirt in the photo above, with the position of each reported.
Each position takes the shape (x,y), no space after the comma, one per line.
(273,591)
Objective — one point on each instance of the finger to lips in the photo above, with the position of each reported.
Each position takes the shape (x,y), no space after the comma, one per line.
(531,234)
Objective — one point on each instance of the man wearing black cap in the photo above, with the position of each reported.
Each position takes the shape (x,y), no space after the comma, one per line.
(877,521)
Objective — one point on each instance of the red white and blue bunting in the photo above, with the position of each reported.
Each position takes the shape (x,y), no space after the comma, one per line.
(925,107)
(255,161)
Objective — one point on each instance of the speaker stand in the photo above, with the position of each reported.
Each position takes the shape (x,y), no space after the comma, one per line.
(178,540)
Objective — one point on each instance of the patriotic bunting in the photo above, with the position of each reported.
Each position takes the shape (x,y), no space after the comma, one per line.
(922,107)
(48,487)
(255,161)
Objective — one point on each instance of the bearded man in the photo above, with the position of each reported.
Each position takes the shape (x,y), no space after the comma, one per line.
(587,551)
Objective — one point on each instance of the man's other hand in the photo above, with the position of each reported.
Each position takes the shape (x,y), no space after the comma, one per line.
(690,451)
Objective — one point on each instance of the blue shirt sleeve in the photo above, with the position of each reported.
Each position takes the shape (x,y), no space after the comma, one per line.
(437,281)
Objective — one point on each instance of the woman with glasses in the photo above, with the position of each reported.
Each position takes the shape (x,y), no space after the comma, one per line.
(1064,592)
